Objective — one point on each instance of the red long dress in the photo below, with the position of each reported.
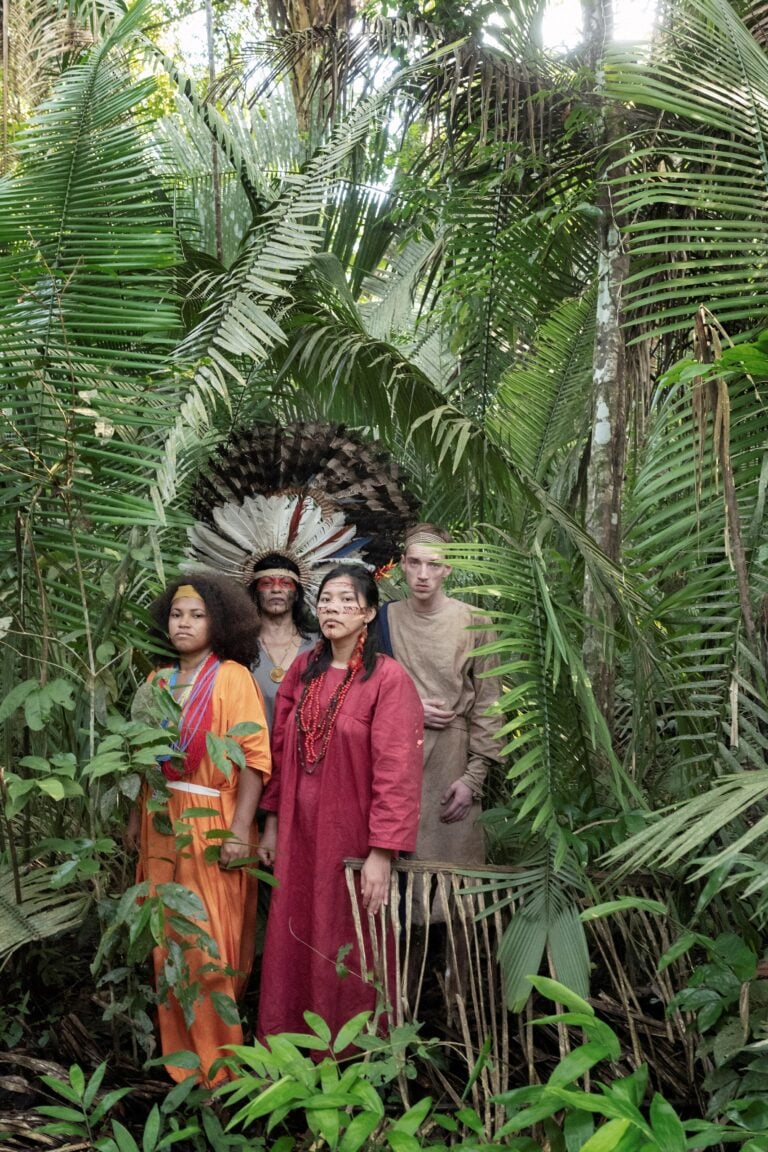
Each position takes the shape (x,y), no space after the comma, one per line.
(364,794)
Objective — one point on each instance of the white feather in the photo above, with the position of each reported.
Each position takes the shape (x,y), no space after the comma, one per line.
(207,545)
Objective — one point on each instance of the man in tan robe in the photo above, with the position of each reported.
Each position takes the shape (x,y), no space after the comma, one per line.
(433,636)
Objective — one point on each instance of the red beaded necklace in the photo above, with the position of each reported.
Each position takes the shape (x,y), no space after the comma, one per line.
(314,725)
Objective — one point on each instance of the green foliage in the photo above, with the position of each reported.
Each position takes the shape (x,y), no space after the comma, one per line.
(14,1009)
(542,405)
(87,315)
(706,688)
(610,1116)
(441,297)
(728,1002)
(133,925)
(85,1114)
(575,1112)
(336,1096)
(559,751)
(694,192)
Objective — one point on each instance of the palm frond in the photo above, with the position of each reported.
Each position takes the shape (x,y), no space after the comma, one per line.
(390,300)
(495,269)
(488,83)
(695,198)
(38,37)
(680,832)
(239,329)
(677,534)
(88,316)
(185,145)
(707,694)
(542,408)
(44,911)
(555,736)
(239,148)
(544,926)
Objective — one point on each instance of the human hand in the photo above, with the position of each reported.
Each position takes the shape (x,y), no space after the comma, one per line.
(268,842)
(436,715)
(132,832)
(374,879)
(456,802)
(235,847)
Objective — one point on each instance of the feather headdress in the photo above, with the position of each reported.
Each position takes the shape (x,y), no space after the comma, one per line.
(314,493)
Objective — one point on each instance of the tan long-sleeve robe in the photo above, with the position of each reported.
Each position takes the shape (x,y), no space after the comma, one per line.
(436,649)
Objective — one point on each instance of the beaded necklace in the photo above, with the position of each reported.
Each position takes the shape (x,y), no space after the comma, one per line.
(314,725)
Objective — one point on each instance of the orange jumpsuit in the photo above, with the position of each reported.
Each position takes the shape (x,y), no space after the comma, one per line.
(229,896)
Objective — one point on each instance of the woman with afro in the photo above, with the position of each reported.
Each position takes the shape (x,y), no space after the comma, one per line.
(201,801)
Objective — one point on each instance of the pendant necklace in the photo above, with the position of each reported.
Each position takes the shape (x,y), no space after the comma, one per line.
(278,669)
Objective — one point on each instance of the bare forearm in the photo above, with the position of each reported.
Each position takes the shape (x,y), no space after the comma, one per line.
(268,842)
(238,845)
(132,833)
(249,792)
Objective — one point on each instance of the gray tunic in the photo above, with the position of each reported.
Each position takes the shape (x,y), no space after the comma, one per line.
(269,686)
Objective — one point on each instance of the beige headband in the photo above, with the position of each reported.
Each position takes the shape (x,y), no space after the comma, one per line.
(186,590)
(425,538)
(275,572)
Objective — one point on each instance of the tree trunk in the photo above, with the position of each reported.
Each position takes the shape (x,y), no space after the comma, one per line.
(5,37)
(605,474)
(299,19)
(214,146)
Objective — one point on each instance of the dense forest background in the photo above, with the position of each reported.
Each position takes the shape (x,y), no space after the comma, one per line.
(540,280)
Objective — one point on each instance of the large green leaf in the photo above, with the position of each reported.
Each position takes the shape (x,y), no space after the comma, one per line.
(544,924)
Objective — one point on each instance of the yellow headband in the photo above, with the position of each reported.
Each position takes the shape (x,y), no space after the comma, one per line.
(186,591)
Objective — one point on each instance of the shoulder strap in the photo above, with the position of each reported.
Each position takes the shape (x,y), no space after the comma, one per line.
(385,641)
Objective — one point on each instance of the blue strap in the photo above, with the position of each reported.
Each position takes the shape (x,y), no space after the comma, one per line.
(385,641)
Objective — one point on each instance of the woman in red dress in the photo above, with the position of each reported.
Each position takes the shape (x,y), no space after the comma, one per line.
(346,782)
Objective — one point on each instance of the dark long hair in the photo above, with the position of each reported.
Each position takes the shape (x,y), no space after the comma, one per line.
(234,621)
(302,620)
(366,587)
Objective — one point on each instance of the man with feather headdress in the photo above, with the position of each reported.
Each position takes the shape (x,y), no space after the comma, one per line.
(278,508)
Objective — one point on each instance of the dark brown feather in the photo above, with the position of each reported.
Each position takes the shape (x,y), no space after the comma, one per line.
(359,476)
